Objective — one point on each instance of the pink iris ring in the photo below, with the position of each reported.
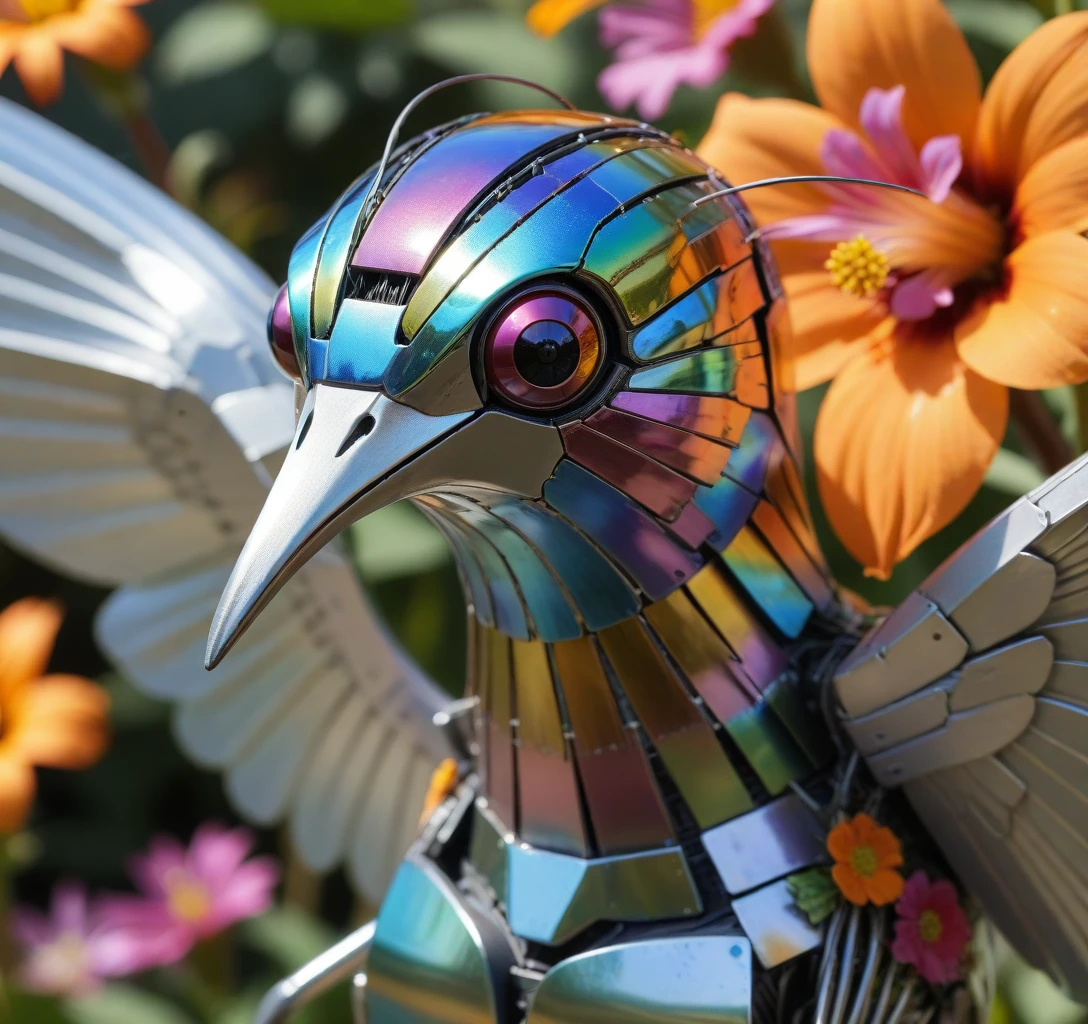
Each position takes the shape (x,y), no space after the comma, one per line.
(542,349)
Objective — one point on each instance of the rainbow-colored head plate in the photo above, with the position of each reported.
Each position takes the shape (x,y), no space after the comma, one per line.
(535,334)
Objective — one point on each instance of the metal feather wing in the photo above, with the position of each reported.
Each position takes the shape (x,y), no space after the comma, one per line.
(141,422)
(973,696)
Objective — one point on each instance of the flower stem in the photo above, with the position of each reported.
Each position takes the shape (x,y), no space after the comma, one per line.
(1039,431)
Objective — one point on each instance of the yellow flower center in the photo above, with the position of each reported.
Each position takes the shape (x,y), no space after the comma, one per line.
(864,861)
(39,10)
(188,899)
(857,267)
(705,12)
(930,925)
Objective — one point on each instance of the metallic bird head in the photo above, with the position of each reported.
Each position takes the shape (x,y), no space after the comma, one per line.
(550,330)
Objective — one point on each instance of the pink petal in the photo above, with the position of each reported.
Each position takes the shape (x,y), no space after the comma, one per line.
(881,118)
(843,152)
(942,161)
(30,927)
(69,908)
(248,894)
(216,852)
(912,902)
(919,297)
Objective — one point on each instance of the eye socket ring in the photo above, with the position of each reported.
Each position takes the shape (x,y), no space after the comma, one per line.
(543,348)
(281,337)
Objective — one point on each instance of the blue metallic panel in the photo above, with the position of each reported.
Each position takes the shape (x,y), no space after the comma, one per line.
(728,506)
(363,342)
(709,372)
(300,277)
(759,443)
(636,543)
(704,979)
(602,596)
(768,582)
(467,565)
(552,897)
(434,961)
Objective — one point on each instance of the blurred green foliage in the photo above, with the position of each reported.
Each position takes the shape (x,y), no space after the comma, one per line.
(269,108)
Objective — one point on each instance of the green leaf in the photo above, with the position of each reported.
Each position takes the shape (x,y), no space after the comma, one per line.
(352,15)
(1013,474)
(287,936)
(125,1004)
(30,1009)
(211,39)
(815,893)
(1004,23)
(397,541)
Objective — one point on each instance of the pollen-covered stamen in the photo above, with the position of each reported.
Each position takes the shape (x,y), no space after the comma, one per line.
(857,267)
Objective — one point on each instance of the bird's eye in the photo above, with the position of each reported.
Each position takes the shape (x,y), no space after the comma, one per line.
(281,337)
(542,349)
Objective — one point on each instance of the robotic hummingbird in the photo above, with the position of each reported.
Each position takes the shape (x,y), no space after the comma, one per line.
(558,334)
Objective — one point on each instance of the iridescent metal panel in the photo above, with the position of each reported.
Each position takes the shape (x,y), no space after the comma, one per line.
(713,416)
(549,809)
(625,808)
(767,582)
(468,567)
(769,747)
(496,661)
(697,457)
(728,506)
(650,484)
(648,169)
(787,494)
(703,979)
(300,276)
(683,737)
(551,898)
(693,319)
(463,251)
(713,371)
(433,959)
(762,446)
(362,343)
(692,526)
(785,544)
(770,842)
(761,658)
(601,595)
(433,192)
(778,930)
(637,544)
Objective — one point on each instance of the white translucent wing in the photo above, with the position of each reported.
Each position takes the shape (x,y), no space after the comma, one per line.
(141,421)
(973,696)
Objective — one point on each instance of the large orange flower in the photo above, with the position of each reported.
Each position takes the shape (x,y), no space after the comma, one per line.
(34,34)
(924,312)
(55,721)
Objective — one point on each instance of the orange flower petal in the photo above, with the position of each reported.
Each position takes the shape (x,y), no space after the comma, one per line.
(850,884)
(864,827)
(1037,100)
(1036,335)
(884,887)
(40,64)
(750,139)
(547,17)
(443,779)
(62,723)
(903,440)
(886,846)
(1054,192)
(857,45)
(112,36)
(28,629)
(16,793)
(841,841)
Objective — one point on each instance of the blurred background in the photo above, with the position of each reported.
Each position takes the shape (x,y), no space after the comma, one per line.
(266,110)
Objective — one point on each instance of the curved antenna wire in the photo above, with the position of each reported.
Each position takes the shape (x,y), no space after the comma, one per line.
(394,132)
(789,179)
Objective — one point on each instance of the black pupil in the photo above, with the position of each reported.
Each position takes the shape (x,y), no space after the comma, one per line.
(546,353)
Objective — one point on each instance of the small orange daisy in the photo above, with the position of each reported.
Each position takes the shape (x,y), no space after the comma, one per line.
(34,34)
(441,785)
(866,856)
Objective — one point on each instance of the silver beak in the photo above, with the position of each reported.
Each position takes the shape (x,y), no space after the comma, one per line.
(346,460)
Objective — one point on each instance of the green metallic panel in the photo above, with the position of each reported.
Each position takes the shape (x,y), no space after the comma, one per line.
(699,980)
(433,960)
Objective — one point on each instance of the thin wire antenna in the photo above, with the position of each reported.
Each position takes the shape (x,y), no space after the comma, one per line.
(764,182)
(394,132)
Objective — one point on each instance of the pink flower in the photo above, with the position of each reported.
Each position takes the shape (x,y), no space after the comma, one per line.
(932,931)
(899,229)
(69,951)
(192,894)
(661,44)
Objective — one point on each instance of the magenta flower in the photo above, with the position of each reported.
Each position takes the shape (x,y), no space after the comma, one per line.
(932,931)
(661,44)
(192,894)
(69,951)
(922,281)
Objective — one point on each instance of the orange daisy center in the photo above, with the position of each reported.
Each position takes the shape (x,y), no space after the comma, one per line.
(188,899)
(864,861)
(705,12)
(857,267)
